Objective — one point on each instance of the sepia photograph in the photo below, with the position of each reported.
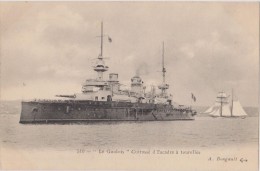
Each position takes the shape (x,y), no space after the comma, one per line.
(129,85)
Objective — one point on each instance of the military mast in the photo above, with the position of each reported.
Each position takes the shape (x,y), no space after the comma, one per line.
(163,69)
(101,41)
(163,86)
(100,65)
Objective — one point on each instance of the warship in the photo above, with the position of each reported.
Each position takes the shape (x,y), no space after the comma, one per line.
(104,100)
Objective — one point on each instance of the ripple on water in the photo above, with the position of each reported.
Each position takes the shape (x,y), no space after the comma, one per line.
(206,132)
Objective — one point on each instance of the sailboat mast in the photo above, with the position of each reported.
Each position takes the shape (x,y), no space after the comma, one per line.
(101,46)
(221,106)
(221,103)
(232,104)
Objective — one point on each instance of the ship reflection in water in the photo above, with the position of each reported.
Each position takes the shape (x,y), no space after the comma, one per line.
(103,100)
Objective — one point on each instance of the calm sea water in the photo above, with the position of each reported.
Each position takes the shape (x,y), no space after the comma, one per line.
(202,132)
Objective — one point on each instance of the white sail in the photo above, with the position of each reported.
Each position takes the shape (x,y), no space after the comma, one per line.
(211,109)
(218,110)
(226,110)
(215,111)
(238,109)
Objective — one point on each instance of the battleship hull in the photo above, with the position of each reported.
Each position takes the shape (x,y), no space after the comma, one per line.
(90,111)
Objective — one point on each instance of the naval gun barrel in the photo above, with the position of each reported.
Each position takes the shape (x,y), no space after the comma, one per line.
(68,96)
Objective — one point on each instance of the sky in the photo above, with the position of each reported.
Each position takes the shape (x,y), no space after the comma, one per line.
(48,48)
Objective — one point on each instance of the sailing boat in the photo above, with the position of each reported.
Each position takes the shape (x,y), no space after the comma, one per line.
(224,108)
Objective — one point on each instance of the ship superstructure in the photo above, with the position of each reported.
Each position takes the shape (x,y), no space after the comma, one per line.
(103,100)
